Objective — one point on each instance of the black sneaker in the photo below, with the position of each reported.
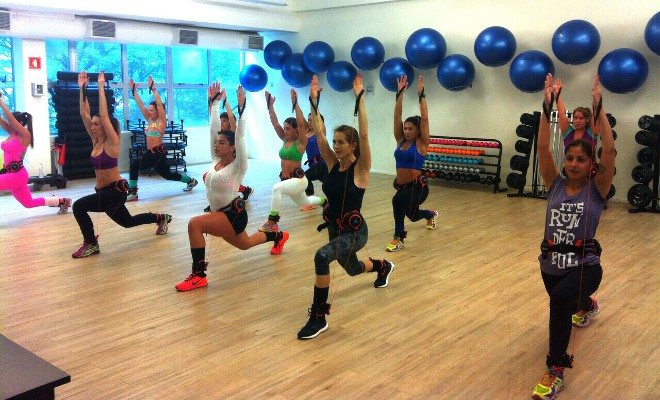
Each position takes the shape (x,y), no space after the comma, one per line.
(247,192)
(207,209)
(384,274)
(316,323)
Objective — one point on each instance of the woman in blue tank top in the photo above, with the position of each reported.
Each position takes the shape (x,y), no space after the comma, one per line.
(349,163)
(570,254)
(413,139)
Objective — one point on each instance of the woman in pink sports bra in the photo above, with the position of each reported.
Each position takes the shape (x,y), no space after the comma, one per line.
(111,189)
(13,175)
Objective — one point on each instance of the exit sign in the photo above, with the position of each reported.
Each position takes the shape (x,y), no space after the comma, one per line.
(34,62)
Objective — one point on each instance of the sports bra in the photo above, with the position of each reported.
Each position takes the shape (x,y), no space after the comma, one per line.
(151,130)
(103,161)
(290,153)
(409,158)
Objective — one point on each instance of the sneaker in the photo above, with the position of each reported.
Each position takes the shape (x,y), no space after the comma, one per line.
(384,275)
(316,324)
(132,195)
(431,223)
(64,207)
(308,207)
(192,282)
(162,225)
(86,250)
(191,184)
(269,226)
(551,384)
(395,244)
(207,209)
(278,246)
(247,192)
(581,318)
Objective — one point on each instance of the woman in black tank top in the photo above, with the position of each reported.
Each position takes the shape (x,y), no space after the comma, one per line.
(349,162)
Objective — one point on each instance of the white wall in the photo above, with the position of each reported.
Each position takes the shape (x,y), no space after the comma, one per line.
(492,107)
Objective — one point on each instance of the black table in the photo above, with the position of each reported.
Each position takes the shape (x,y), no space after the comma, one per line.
(25,375)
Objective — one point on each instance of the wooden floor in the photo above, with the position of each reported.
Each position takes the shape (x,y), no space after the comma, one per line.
(464,317)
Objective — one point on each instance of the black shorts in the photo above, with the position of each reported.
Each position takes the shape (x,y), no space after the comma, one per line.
(236,214)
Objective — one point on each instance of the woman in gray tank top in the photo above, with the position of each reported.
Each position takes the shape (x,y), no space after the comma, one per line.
(570,255)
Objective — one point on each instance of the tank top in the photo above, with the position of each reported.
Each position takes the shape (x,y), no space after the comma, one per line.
(588,136)
(12,150)
(313,151)
(409,158)
(571,218)
(342,194)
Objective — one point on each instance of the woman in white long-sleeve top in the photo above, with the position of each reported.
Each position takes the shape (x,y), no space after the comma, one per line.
(228,217)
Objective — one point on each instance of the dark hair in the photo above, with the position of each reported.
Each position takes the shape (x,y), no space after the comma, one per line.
(292,121)
(352,136)
(586,147)
(115,124)
(224,115)
(415,120)
(153,103)
(25,119)
(231,136)
(587,114)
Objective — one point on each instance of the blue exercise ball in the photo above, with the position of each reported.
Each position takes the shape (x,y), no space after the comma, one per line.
(652,33)
(318,56)
(623,70)
(425,48)
(575,42)
(367,53)
(276,52)
(341,75)
(495,46)
(253,78)
(456,72)
(294,71)
(529,69)
(393,69)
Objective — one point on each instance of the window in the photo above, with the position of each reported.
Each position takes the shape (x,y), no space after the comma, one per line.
(100,56)
(57,59)
(145,60)
(143,92)
(190,65)
(7,74)
(191,106)
(225,67)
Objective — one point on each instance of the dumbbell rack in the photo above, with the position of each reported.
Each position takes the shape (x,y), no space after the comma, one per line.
(641,192)
(175,142)
(468,160)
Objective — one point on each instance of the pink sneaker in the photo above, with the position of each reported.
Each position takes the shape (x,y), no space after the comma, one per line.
(278,246)
(192,282)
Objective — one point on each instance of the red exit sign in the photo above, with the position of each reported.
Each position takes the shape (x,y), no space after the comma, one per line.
(34,62)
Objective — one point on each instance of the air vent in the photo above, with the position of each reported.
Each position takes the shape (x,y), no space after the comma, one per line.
(99,28)
(256,42)
(5,20)
(188,36)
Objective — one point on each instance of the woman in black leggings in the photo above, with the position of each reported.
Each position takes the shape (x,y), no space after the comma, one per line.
(111,189)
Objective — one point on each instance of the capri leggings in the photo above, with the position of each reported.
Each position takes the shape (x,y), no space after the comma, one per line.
(156,159)
(16,183)
(406,202)
(292,187)
(316,172)
(111,200)
(342,248)
(568,294)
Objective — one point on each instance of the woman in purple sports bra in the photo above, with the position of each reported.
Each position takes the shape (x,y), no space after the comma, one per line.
(570,254)
(111,189)
(13,175)
(413,139)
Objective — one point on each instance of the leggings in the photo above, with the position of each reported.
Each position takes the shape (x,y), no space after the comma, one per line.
(342,247)
(112,202)
(292,187)
(16,183)
(567,298)
(406,202)
(315,172)
(155,159)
